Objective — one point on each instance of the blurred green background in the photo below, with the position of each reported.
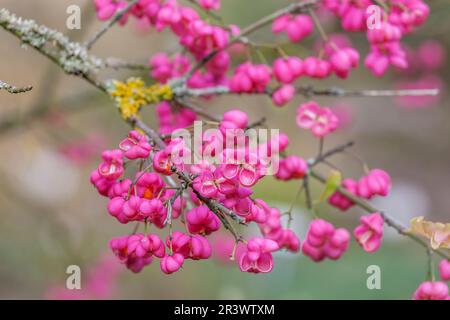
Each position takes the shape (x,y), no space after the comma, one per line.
(50,216)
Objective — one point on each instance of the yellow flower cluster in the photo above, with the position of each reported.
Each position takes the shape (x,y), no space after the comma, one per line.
(437,232)
(133,94)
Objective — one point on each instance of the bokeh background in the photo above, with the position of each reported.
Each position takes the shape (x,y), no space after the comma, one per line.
(51,217)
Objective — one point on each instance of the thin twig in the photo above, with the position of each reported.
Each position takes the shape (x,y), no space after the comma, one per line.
(13,89)
(119,14)
(314,161)
(172,200)
(197,109)
(309,203)
(318,25)
(431,275)
(338,92)
(257,123)
(291,207)
(116,64)
(309,91)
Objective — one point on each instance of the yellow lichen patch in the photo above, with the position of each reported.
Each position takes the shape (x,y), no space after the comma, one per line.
(160,93)
(133,94)
(437,232)
(129,96)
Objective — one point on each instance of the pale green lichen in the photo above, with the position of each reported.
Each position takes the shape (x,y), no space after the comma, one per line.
(72,56)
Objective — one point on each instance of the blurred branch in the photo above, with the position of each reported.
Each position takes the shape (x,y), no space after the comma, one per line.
(324,156)
(308,91)
(115,63)
(338,92)
(12,89)
(76,102)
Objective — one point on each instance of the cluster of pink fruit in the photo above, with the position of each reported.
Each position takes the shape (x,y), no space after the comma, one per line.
(435,290)
(148,199)
(323,240)
(151,199)
(384,36)
(377,182)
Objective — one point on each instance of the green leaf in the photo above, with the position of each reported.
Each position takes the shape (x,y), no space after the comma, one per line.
(334,180)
